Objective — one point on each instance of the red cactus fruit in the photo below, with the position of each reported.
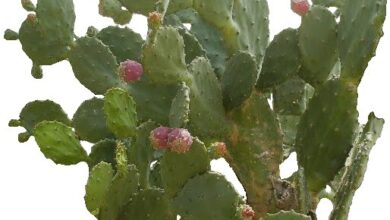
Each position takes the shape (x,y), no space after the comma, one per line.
(130,71)
(159,137)
(247,212)
(300,7)
(154,19)
(179,140)
(220,148)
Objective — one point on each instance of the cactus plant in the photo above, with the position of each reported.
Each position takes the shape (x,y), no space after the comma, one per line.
(167,105)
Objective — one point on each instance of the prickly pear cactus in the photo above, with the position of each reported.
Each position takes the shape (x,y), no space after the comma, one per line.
(173,102)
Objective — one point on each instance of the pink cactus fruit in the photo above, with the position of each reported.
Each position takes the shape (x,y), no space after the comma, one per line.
(300,7)
(179,140)
(130,71)
(247,212)
(159,138)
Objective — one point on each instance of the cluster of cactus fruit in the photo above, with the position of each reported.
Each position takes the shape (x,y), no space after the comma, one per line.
(217,89)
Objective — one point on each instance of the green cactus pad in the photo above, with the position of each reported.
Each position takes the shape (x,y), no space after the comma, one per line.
(360,30)
(207,117)
(286,215)
(123,186)
(355,167)
(11,35)
(38,111)
(153,100)
(120,111)
(148,204)
(289,126)
(251,18)
(94,65)
(281,61)
(325,132)
(237,87)
(318,45)
(217,13)
(291,97)
(58,142)
(113,9)
(162,62)
(136,6)
(256,150)
(192,163)
(193,48)
(46,36)
(180,108)
(28,5)
(236,21)
(141,152)
(155,176)
(329,3)
(211,192)
(124,43)
(177,5)
(147,6)
(98,183)
(36,71)
(89,121)
(102,151)
(209,38)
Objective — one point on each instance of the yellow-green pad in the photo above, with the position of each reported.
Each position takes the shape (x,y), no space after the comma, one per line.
(94,65)
(360,30)
(97,186)
(120,111)
(282,59)
(89,121)
(318,45)
(59,143)
(286,215)
(325,133)
(207,115)
(164,57)
(177,168)
(239,79)
(211,192)
(148,204)
(180,108)
(113,9)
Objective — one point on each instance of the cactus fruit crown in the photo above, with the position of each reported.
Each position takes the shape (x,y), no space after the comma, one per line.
(185,96)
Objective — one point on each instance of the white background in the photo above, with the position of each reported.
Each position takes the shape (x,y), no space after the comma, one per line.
(32,187)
